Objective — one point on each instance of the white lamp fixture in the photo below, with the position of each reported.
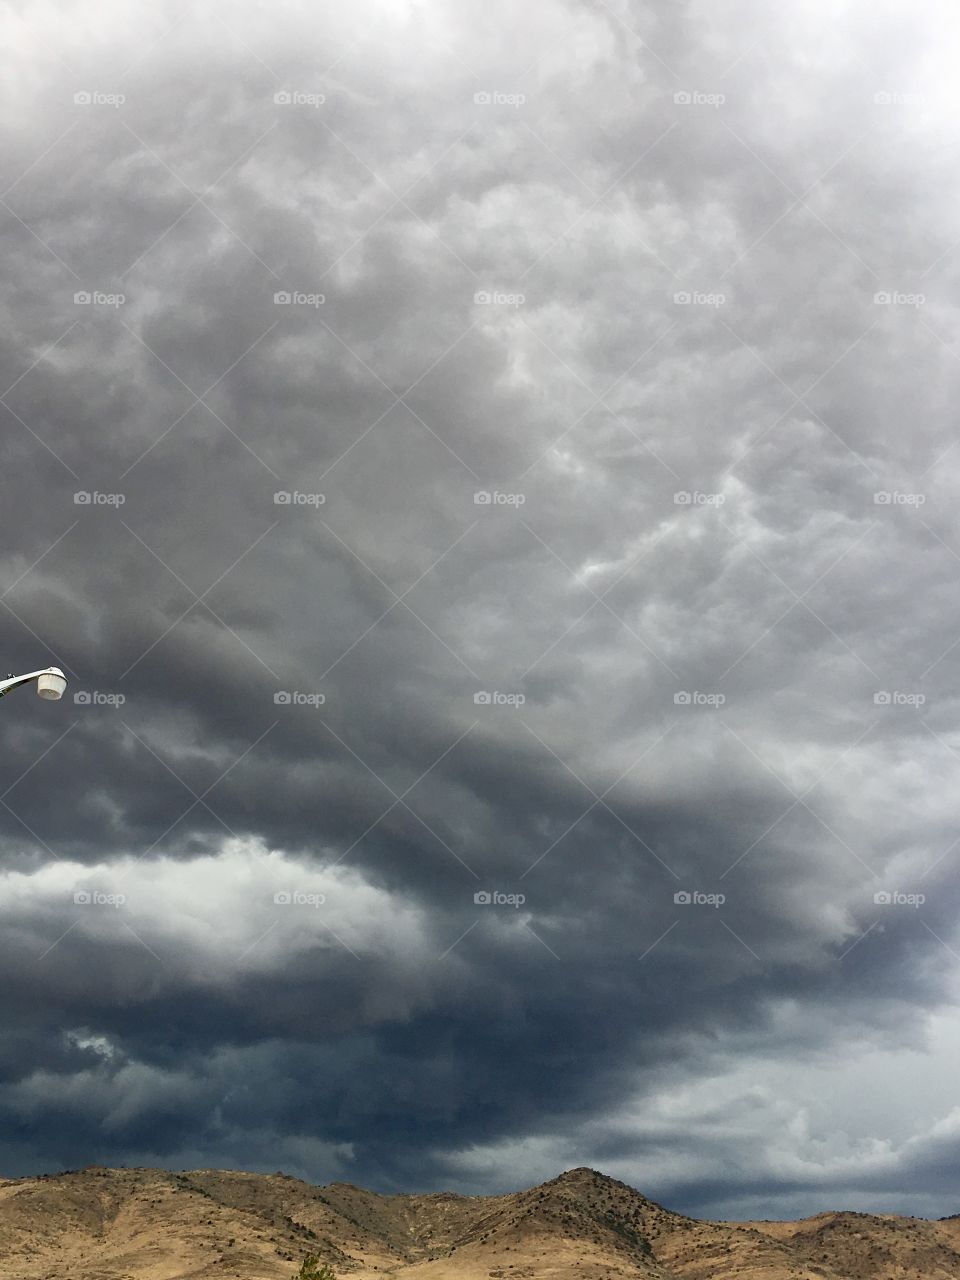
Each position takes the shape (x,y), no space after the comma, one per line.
(51,683)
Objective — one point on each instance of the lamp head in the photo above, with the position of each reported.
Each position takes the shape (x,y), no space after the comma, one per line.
(51,684)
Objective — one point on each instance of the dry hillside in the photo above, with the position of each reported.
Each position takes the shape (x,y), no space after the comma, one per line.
(148,1224)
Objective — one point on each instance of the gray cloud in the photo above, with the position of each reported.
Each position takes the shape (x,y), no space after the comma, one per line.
(674,289)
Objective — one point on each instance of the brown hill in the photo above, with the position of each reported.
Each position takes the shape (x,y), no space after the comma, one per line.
(148,1224)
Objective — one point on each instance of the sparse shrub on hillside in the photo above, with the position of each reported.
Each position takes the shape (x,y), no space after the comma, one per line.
(312,1269)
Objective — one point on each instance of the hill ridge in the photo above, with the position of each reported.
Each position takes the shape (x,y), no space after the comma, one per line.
(102,1223)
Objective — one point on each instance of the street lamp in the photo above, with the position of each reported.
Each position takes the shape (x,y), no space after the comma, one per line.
(51,683)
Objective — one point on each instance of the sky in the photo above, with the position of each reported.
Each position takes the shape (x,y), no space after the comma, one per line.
(489,475)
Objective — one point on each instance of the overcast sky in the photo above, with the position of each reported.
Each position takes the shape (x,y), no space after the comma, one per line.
(489,473)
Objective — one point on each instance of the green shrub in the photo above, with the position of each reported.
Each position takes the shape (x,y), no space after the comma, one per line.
(312,1269)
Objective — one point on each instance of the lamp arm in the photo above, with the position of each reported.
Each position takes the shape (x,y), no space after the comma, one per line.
(14,682)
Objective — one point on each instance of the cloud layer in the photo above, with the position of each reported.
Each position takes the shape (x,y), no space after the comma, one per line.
(490,480)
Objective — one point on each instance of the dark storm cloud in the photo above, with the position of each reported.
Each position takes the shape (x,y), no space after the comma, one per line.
(683,399)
